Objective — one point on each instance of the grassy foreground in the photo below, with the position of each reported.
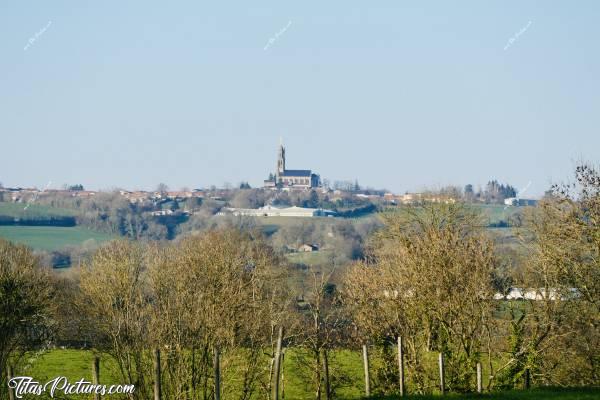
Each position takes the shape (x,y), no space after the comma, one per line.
(76,364)
(533,394)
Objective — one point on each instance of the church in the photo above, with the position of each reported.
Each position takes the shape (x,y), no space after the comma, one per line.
(291,179)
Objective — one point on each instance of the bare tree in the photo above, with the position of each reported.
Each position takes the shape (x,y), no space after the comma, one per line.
(25,305)
(222,290)
(428,277)
(114,300)
(162,188)
(319,330)
(556,337)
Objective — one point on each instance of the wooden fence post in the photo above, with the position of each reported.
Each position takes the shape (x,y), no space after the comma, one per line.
(278,364)
(479,378)
(283,374)
(401,365)
(366,369)
(527,378)
(96,375)
(157,387)
(441,362)
(9,376)
(217,369)
(326,375)
(270,385)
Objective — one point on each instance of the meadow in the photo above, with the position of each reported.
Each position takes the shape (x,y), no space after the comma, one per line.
(496,213)
(32,210)
(51,238)
(76,364)
(314,258)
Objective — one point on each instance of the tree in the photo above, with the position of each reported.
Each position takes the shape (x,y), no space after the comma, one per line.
(312,201)
(113,300)
(248,198)
(245,185)
(26,292)
(427,277)
(77,188)
(469,193)
(557,336)
(321,321)
(162,188)
(218,290)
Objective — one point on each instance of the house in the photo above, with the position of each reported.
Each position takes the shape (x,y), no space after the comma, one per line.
(307,248)
(179,195)
(84,193)
(161,213)
(411,198)
(135,197)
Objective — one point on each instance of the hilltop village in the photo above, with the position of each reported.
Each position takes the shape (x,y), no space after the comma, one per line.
(286,192)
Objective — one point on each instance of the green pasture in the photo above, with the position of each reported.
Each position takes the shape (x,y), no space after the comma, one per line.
(270,225)
(495,213)
(313,258)
(51,237)
(345,369)
(549,393)
(33,211)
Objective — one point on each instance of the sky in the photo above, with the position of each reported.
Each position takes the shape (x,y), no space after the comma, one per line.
(403,95)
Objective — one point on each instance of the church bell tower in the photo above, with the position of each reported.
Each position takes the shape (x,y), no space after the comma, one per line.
(280,162)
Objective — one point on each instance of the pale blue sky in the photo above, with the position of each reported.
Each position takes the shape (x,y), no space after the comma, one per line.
(397,94)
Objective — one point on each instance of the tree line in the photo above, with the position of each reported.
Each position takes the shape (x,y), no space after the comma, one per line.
(430,275)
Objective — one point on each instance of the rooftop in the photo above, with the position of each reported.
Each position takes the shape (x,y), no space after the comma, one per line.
(296,172)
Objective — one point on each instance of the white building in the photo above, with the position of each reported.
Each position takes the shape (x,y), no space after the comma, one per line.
(515,201)
(271,211)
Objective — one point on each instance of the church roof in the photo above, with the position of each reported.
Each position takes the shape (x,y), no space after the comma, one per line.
(296,172)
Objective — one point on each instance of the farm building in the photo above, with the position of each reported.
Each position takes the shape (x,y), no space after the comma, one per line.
(271,211)
(515,201)
(307,248)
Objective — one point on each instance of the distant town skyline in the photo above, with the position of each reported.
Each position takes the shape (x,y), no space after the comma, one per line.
(398,96)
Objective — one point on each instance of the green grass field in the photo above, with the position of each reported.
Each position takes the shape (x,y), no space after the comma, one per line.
(533,394)
(321,257)
(270,225)
(32,210)
(76,364)
(495,213)
(49,237)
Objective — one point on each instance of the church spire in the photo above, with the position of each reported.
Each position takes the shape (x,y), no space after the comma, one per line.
(280,160)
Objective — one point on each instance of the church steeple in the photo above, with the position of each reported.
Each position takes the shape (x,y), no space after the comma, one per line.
(280,161)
